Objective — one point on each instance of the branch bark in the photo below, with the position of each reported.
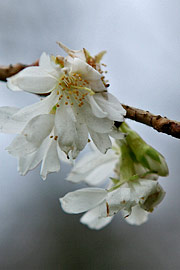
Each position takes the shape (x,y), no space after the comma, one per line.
(159,123)
(8,71)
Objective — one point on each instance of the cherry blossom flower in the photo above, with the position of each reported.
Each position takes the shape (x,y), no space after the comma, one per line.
(136,198)
(77,99)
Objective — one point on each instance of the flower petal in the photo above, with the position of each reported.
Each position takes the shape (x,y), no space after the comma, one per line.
(33,80)
(116,134)
(101,140)
(94,221)
(30,161)
(65,126)
(137,217)
(142,188)
(117,200)
(72,135)
(111,105)
(96,109)
(93,168)
(38,128)
(96,124)
(7,124)
(82,200)
(62,155)
(50,162)
(32,135)
(21,147)
(42,107)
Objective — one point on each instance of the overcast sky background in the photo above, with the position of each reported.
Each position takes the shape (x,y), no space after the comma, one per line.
(142,39)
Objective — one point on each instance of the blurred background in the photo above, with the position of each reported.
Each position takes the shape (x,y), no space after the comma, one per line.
(142,39)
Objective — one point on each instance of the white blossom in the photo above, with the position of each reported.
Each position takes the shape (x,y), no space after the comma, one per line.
(77,97)
(133,190)
(136,198)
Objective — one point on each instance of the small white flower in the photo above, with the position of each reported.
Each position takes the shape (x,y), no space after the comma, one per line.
(135,198)
(77,98)
(133,189)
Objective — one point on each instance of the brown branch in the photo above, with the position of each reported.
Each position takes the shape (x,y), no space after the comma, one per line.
(8,71)
(159,123)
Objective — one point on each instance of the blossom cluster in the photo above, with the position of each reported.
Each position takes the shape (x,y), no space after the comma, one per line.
(76,108)
(134,167)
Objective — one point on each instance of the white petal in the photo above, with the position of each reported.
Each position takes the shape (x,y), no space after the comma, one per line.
(116,134)
(81,137)
(137,217)
(93,168)
(32,79)
(97,124)
(111,105)
(142,188)
(7,124)
(93,221)
(117,200)
(38,128)
(50,161)
(82,200)
(11,83)
(21,147)
(42,107)
(32,136)
(46,63)
(62,155)
(30,161)
(49,65)
(101,140)
(100,174)
(65,126)
(96,109)
(72,135)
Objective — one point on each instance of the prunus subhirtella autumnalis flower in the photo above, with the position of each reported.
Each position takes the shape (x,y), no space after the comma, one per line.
(75,104)
(133,188)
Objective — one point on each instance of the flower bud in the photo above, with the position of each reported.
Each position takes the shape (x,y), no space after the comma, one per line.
(144,153)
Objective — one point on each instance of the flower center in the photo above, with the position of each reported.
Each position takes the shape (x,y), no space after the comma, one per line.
(73,89)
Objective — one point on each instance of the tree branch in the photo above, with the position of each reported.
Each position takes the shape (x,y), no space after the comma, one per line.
(8,71)
(159,123)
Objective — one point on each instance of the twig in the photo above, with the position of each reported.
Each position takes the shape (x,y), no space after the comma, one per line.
(8,71)
(159,123)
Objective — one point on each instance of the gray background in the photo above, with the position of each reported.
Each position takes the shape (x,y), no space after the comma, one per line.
(142,38)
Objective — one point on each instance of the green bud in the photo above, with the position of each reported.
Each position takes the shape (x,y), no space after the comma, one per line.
(144,153)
